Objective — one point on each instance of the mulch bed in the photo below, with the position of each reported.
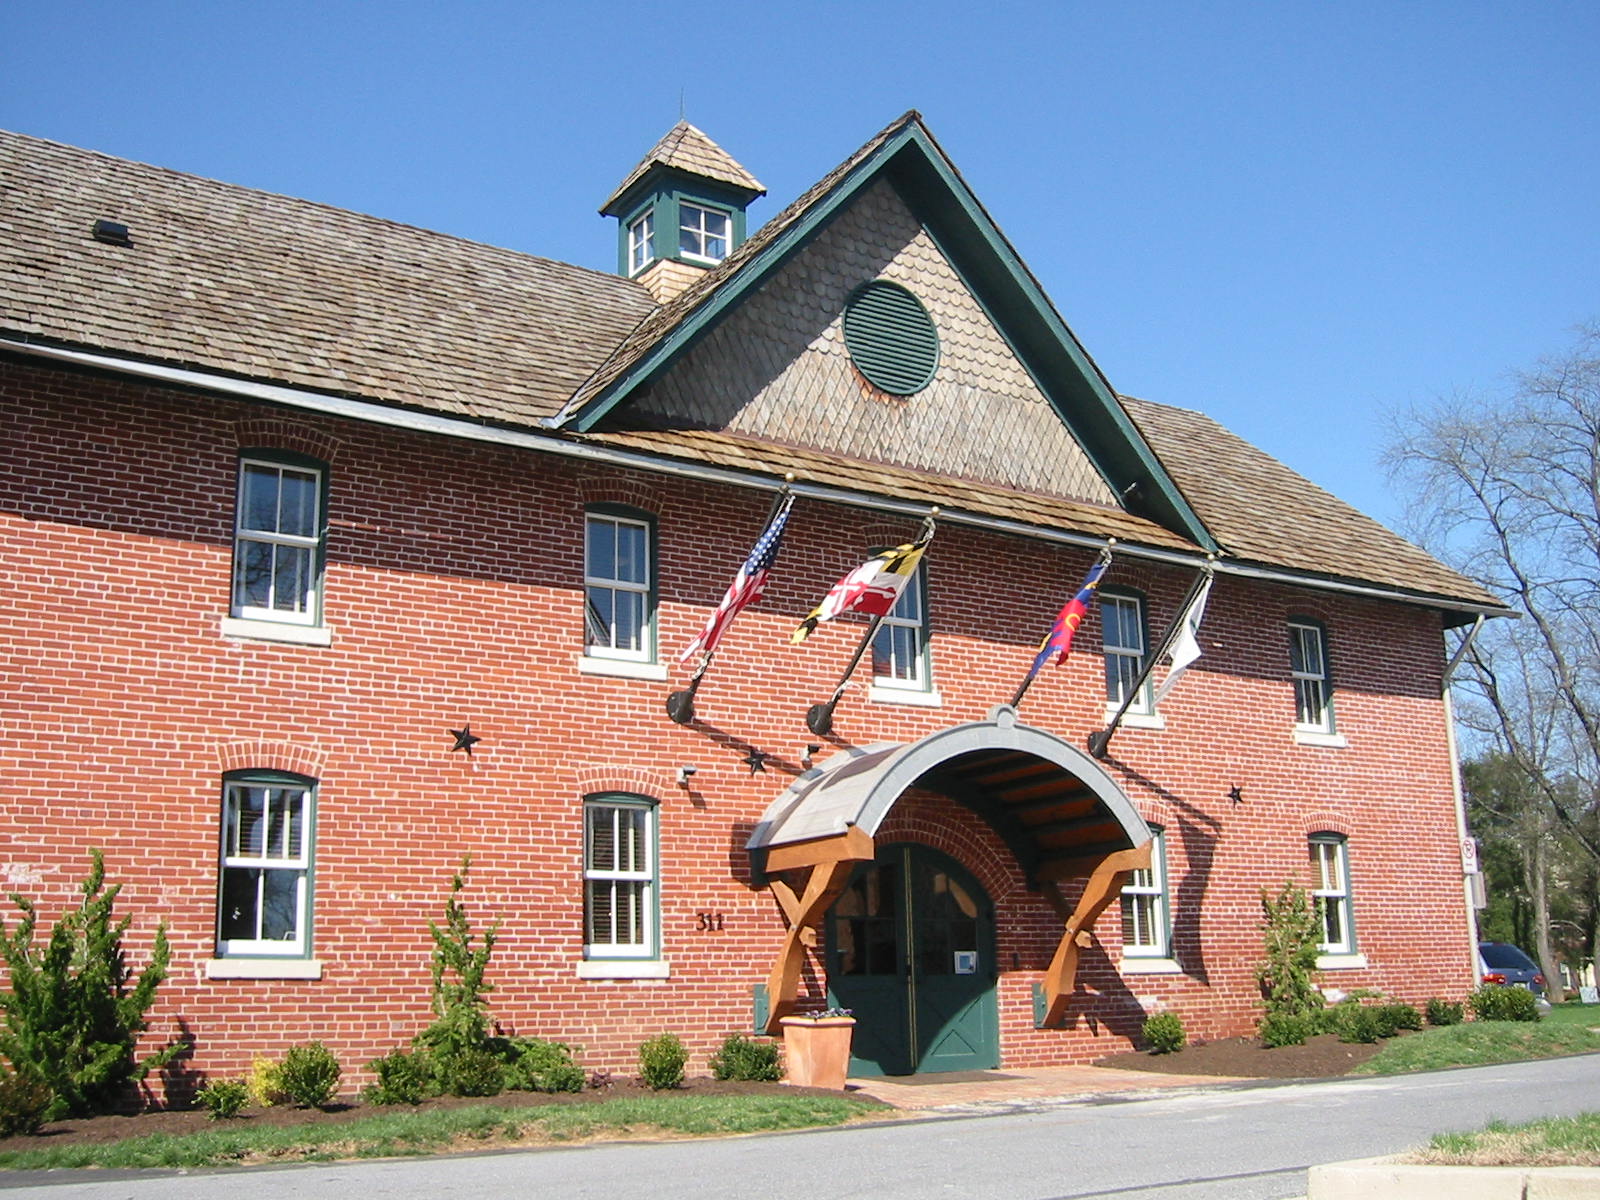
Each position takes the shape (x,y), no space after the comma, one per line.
(86,1130)
(1322,1056)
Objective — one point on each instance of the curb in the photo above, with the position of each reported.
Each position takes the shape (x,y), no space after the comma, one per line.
(1389,1179)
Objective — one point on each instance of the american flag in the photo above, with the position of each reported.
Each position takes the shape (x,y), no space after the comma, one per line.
(746,587)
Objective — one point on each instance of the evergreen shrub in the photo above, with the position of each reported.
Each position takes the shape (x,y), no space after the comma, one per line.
(24,1099)
(1444,1012)
(535,1065)
(1291,931)
(223,1099)
(744,1058)
(1163,1033)
(1496,1002)
(74,1012)
(661,1062)
(309,1075)
(1285,1029)
(404,1077)
(474,1071)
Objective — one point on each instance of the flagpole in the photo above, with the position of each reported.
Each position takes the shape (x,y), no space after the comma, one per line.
(819,717)
(680,704)
(1027,680)
(1101,738)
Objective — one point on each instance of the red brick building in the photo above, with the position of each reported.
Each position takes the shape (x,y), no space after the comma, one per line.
(298,503)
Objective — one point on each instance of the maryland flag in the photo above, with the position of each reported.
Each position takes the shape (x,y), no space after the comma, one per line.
(872,588)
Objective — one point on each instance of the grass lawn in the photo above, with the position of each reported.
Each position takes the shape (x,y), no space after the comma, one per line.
(430,1131)
(1556,1142)
(1568,1029)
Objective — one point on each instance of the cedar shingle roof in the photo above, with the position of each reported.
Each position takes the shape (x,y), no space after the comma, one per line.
(244,283)
(1261,511)
(249,283)
(686,148)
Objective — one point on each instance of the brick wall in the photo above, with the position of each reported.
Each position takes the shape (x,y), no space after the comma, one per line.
(453,593)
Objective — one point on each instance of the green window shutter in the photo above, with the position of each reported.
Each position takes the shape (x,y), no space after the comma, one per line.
(891,338)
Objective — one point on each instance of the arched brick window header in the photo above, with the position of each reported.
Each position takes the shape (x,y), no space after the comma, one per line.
(633,781)
(619,490)
(1326,823)
(307,761)
(280,433)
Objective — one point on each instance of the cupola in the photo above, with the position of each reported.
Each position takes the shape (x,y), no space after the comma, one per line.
(680,211)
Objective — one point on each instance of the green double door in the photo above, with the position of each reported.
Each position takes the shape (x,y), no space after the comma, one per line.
(910,946)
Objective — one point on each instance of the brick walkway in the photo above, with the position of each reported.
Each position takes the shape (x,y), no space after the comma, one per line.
(1002,1089)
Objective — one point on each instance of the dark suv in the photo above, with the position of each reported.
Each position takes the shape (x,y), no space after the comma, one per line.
(1503,963)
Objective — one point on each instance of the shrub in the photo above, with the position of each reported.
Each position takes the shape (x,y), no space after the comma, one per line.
(1163,1033)
(661,1062)
(265,1082)
(23,1100)
(470,1072)
(404,1077)
(1493,1002)
(535,1065)
(223,1098)
(745,1058)
(1444,1012)
(461,1018)
(1398,1016)
(1356,1022)
(309,1074)
(74,1012)
(1291,930)
(1285,1029)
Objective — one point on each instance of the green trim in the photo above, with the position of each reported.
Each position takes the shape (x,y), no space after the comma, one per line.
(652,806)
(649,520)
(664,191)
(319,559)
(269,777)
(1008,292)
(890,337)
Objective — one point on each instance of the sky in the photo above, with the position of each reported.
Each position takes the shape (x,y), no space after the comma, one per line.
(1301,219)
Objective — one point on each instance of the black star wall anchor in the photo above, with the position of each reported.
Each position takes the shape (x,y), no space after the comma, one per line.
(465,739)
(756,761)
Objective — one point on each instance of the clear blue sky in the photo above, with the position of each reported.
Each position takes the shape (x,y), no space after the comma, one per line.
(1298,218)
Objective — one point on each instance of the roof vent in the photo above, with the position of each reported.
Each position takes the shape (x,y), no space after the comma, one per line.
(112,232)
(891,338)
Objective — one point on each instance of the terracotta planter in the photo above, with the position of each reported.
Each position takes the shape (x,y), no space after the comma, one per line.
(816,1050)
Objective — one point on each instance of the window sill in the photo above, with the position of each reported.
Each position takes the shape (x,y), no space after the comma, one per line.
(878,694)
(276,631)
(1150,966)
(263,968)
(1137,720)
(1319,737)
(1341,962)
(622,668)
(621,968)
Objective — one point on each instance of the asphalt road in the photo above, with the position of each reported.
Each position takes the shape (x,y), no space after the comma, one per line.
(1250,1143)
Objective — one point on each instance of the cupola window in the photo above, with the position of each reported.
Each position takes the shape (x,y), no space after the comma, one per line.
(641,242)
(702,232)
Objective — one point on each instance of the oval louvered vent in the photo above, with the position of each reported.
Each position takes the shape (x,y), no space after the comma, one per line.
(891,338)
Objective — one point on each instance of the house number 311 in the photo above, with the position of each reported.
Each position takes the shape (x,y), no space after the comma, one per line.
(708,922)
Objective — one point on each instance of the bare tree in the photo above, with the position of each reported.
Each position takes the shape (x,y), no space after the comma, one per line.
(1507,489)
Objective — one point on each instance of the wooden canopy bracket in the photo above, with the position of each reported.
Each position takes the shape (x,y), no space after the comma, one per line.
(1105,881)
(827,862)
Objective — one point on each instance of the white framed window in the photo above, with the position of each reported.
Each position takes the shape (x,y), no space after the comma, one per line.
(703,233)
(619,878)
(900,647)
(278,540)
(641,241)
(618,585)
(1308,664)
(1330,891)
(264,880)
(1146,913)
(1123,642)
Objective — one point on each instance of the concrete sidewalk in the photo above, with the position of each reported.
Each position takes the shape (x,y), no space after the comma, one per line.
(996,1091)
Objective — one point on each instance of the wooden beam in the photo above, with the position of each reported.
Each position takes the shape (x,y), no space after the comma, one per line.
(1074,796)
(853,845)
(824,882)
(1104,884)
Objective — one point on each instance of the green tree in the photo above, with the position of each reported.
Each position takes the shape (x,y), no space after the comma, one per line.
(71,1018)
(460,1006)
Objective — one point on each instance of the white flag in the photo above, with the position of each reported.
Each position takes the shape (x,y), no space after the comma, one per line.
(1185,646)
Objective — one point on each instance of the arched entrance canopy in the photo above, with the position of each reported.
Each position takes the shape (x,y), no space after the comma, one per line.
(1057,809)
